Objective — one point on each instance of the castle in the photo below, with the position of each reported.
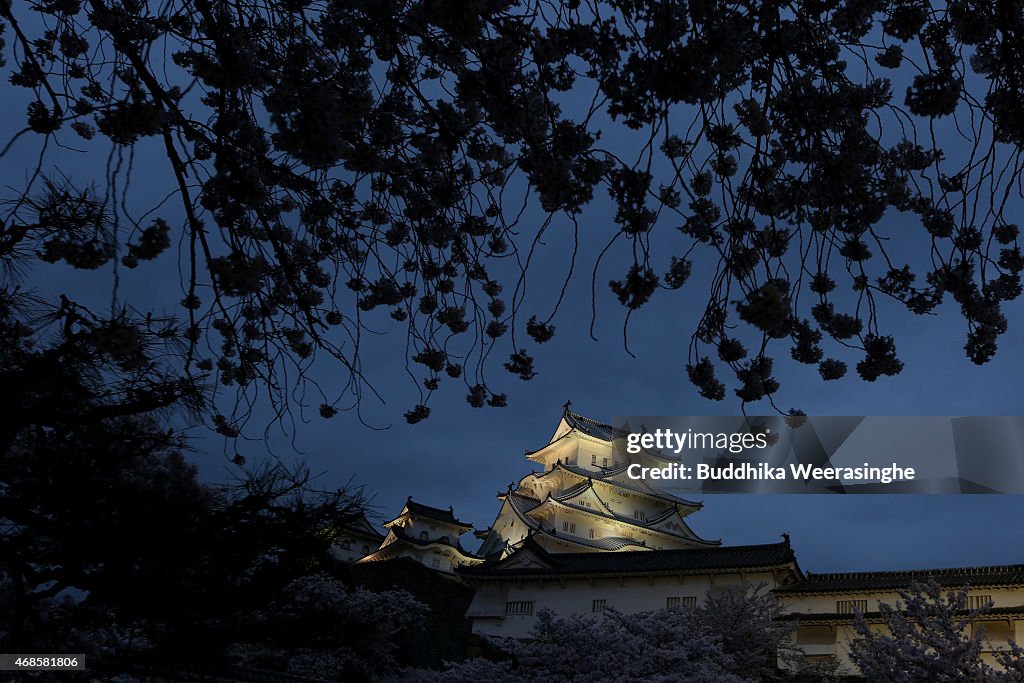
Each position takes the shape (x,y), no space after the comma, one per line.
(579,536)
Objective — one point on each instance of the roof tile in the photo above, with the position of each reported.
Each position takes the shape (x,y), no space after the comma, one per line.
(891,580)
(728,557)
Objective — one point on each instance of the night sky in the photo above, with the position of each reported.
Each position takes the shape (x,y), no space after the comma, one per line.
(462,456)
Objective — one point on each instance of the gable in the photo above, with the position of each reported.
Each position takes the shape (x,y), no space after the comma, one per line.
(587,498)
(526,556)
(674,524)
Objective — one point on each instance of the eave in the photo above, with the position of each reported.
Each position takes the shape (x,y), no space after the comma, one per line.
(580,474)
(392,548)
(993,614)
(635,523)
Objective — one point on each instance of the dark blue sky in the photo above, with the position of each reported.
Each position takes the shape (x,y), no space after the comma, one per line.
(462,456)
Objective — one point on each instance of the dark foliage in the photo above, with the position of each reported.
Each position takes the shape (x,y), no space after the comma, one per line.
(341,165)
(445,635)
(108,542)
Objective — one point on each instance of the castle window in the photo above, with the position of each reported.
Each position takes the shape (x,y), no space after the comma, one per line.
(593,459)
(569,526)
(681,601)
(423,535)
(435,563)
(639,514)
(598,606)
(978,601)
(593,533)
(605,462)
(519,607)
(851,606)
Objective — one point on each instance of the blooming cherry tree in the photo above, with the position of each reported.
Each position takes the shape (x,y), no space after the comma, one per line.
(932,635)
(333,168)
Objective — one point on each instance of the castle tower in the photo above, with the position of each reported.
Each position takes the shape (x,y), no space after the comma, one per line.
(426,534)
(356,540)
(584,500)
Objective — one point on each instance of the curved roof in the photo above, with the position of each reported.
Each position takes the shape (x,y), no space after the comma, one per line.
(833,617)
(538,450)
(612,542)
(596,430)
(641,524)
(525,502)
(437,514)
(568,494)
(668,561)
(402,537)
(592,427)
(521,505)
(634,486)
(1005,575)
(604,432)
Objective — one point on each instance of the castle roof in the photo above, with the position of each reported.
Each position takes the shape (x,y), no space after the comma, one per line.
(642,562)
(594,429)
(521,505)
(526,504)
(648,524)
(591,427)
(437,514)
(833,617)
(1005,575)
(400,535)
(634,485)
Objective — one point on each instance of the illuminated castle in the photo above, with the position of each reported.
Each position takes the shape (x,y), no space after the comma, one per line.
(583,501)
(426,534)
(580,536)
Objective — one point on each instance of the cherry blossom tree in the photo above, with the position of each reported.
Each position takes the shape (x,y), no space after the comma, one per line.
(338,167)
(321,628)
(747,619)
(932,635)
(735,636)
(655,646)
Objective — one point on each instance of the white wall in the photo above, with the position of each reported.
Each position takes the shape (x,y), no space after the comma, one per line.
(809,637)
(352,548)
(576,596)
